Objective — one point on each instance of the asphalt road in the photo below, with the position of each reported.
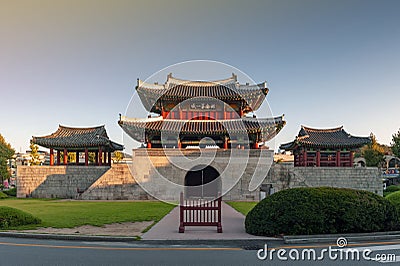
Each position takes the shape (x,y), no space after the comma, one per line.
(15,251)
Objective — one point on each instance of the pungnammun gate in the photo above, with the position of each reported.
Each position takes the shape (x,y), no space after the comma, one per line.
(190,120)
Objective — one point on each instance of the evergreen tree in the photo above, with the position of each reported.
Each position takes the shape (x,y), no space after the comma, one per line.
(396,144)
(374,153)
(6,153)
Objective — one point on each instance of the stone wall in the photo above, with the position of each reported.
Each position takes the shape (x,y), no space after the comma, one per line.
(152,168)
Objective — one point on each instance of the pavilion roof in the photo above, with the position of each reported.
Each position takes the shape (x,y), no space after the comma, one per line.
(179,90)
(333,138)
(268,127)
(78,139)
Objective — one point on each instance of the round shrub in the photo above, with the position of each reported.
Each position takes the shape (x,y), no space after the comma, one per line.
(395,199)
(10,217)
(322,210)
(392,188)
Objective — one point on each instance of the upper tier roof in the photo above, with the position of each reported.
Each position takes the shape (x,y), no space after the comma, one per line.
(268,127)
(78,139)
(333,138)
(179,90)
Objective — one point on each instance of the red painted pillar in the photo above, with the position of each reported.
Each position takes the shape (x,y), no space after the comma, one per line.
(58,157)
(351,158)
(337,158)
(179,144)
(305,157)
(86,157)
(226,143)
(51,157)
(318,158)
(149,145)
(96,158)
(100,156)
(77,158)
(105,158)
(241,112)
(65,157)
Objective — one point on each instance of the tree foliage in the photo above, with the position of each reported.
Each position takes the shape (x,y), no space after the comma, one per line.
(35,159)
(396,144)
(118,156)
(6,153)
(374,153)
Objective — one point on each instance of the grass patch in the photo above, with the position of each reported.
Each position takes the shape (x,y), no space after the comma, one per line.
(3,196)
(69,214)
(242,206)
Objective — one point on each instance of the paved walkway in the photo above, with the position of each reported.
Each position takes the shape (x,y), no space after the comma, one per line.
(232,226)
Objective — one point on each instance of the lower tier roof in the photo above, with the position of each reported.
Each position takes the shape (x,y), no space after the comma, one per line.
(139,128)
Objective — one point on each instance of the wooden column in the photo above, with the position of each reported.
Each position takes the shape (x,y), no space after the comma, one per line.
(105,158)
(86,157)
(241,112)
(351,158)
(51,157)
(305,157)
(65,157)
(179,144)
(58,157)
(337,158)
(149,145)
(109,158)
(100,156)
(226,143)
(77,158)
(318,158)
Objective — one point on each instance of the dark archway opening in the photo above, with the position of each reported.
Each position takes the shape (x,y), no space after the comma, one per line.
(202,182)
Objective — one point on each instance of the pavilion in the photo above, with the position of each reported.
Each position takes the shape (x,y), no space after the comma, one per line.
(70,139)
(324,147)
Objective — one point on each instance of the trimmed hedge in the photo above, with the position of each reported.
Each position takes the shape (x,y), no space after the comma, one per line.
(10,217)
(322,210)
(392,188)
(11,192)
(395,199)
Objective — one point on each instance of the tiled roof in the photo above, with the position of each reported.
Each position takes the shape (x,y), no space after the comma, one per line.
(78,138)
(267,127)
(325,138)
(180,90)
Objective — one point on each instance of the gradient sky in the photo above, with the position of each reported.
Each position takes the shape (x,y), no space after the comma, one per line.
(75,62)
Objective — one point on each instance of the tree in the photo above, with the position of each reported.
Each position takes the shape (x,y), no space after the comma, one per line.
(374,153)
(118,156)
(395,145)
(6,153)
(35,159)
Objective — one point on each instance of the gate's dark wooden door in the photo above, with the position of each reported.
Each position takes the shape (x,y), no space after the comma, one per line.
(202,182)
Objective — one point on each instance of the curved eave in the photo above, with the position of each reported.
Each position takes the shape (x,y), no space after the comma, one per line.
(268,128)
(67,143)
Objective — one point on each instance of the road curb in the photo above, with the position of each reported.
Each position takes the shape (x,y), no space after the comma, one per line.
(332,238)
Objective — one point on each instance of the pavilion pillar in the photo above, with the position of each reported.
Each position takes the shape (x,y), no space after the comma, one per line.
(241,112)
(58,157)
(351,158)
(226,143)
(65,157)
(77,158)
(51,157)
(109,158)
(337,158)
(100,156)
(96,157)
(318,158)
(86,157)
(179,144)
(149,145)
(305,157)
(105,158)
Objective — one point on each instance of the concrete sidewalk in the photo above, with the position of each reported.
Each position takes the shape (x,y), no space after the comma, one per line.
(232,226)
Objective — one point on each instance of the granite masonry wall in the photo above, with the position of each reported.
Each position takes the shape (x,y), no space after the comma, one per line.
(118,183)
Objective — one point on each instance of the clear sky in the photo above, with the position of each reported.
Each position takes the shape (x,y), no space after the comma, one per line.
(75,62)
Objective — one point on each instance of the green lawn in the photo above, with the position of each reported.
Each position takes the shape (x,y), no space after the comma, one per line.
(242,206)
(68,214)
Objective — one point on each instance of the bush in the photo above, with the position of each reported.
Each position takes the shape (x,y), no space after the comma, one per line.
(395,199)
(10,217)
(11,192)
(321,210)
(3,195)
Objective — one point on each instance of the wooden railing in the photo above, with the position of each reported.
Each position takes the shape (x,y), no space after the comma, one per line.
(200,212)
